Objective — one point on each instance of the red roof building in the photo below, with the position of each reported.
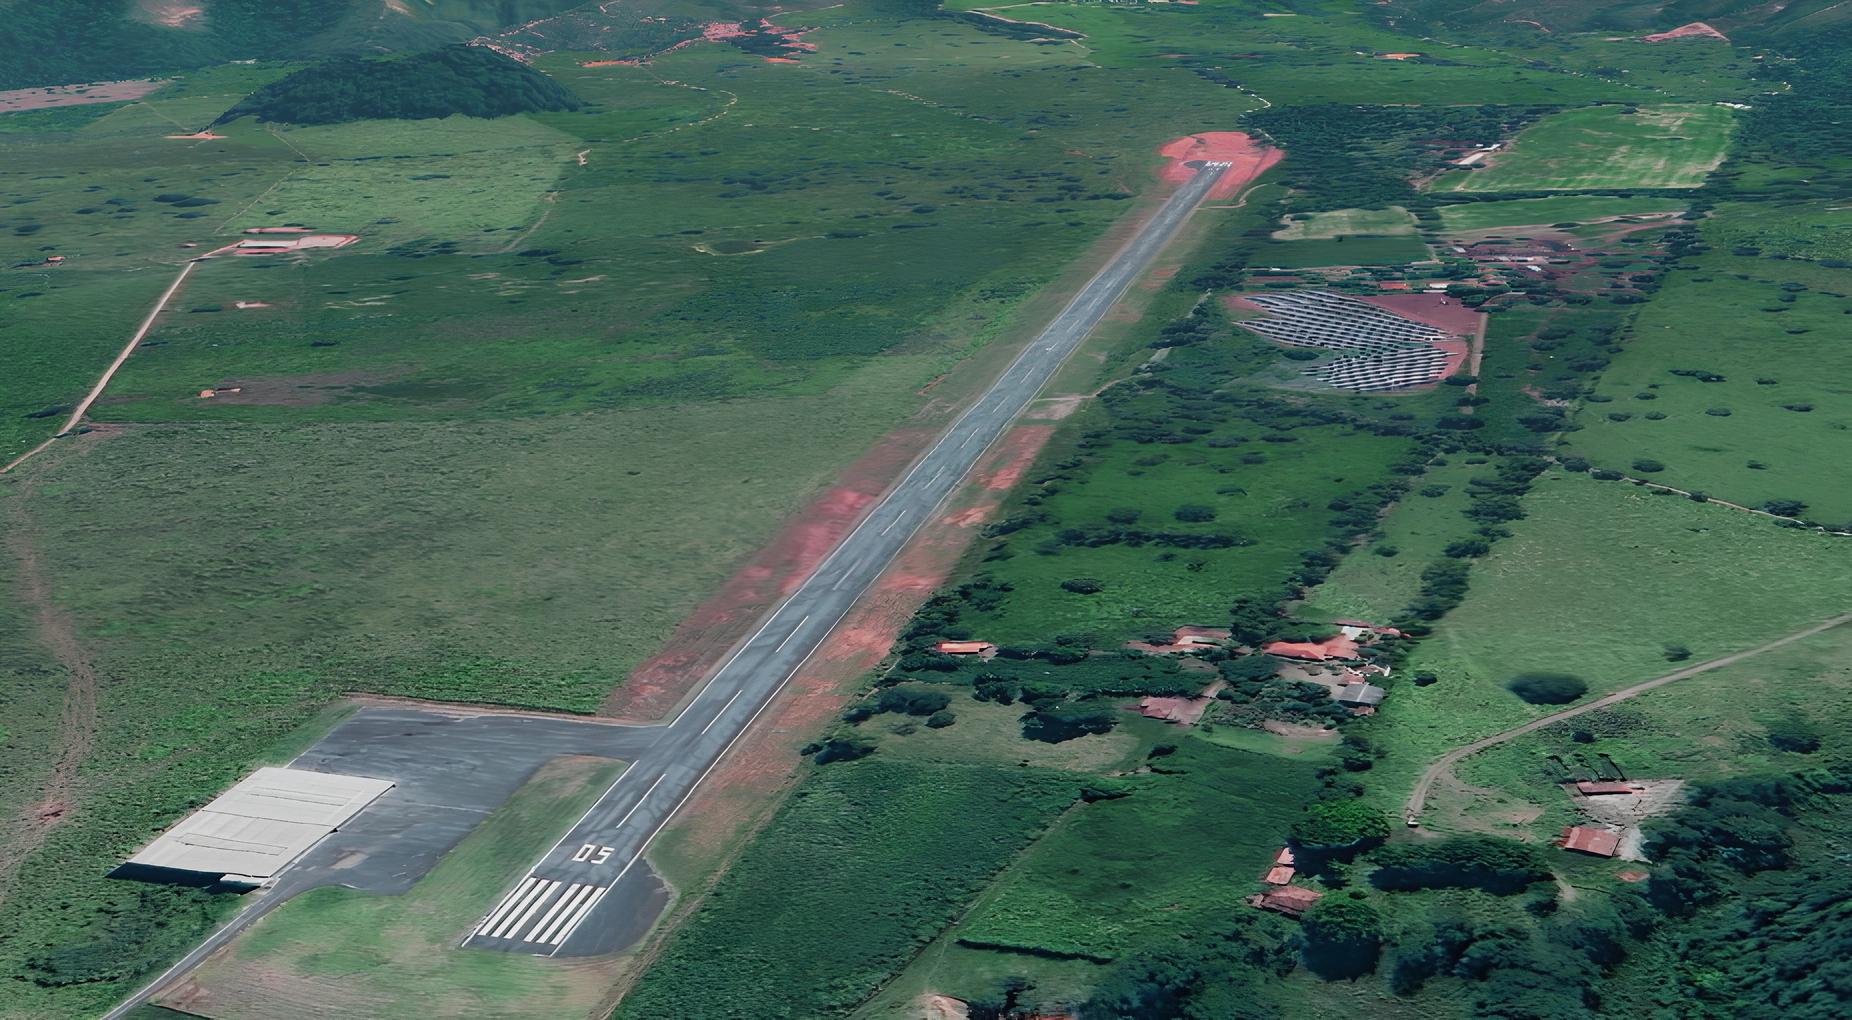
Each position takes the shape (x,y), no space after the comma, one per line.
(1279,874)
(964,647)
(1285,856)
(1597,842)
(1290,900)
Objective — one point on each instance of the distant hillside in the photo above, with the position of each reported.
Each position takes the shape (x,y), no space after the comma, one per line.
(468,80)
(1742,20)
(52,42)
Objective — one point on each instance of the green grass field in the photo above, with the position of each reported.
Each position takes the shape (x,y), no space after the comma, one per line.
(1765,428)
(1324,226)
(1607,147)
(1343,251)
(1475,216)
(868,862)
(1578,589)
(1371,586)
(337,952)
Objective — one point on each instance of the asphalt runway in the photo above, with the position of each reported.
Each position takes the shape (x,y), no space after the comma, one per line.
(592,892)
(589,894)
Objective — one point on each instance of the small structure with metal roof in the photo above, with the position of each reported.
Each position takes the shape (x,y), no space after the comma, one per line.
(1586,840)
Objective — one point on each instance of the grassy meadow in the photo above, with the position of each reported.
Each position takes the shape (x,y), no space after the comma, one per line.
(1470,217)
(1602,147)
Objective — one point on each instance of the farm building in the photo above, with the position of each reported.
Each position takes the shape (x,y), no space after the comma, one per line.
(1290,900)
(1279,874)
(254,830)
(1360,695)
(1593,789)
(1597,842)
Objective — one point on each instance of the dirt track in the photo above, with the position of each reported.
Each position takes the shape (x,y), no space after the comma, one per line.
(1419,798)
(77,722)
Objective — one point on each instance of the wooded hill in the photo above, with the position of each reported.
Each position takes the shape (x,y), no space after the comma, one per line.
(468,80)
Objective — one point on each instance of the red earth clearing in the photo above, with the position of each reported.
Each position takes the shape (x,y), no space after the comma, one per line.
(1437,310)
(1016,450)
(1250,159)
(1397,56)
(1695,30)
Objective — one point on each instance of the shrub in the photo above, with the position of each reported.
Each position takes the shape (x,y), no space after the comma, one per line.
(1083,585)
(1338,826)
(1794,735)
(1648,466)
(1677,653)
(941,719)
(1489,863)
(1547,688)
(1194,513)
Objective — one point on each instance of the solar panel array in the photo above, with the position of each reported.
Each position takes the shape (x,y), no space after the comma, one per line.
(1391,352)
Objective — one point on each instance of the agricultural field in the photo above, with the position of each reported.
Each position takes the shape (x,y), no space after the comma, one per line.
(1571,592)
(1606,147)
(1350,250)
(1746,412)
(868,862)
(1376,581)
(1325,226)
(1471,217)
(355,954)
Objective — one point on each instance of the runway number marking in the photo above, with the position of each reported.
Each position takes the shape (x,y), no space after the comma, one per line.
(592,853)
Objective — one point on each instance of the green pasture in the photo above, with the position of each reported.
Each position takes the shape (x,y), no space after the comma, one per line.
(1205,828)
(1814,230)
(363,954)
(1394,250)
(867,862)
(1368,585)
(1709,727)
(1767,334)
(1582,587)
(1347,223)
(1469,217)
(1668,146)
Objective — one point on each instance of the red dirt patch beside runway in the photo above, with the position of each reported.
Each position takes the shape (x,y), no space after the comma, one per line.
(703,639)
(1250,159)
(742,791)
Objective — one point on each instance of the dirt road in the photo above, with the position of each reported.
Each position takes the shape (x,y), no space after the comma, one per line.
(1419,798)
(102,382)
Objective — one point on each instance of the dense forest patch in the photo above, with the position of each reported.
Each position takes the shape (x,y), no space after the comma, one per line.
(468,80)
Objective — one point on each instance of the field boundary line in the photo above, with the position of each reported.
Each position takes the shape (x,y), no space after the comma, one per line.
(1417,800)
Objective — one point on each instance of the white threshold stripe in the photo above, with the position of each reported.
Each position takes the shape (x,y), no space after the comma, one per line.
(547,918)
(578,917)
(506,903)
(496,932)
(570,903)
(539,901)
(722,712)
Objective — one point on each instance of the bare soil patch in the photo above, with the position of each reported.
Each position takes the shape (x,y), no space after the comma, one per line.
(1694,30)
(1437,310)
(17,100)
(1250,159)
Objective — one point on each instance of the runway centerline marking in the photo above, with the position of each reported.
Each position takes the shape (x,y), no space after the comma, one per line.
(795,631)
(717,715)
(897,520)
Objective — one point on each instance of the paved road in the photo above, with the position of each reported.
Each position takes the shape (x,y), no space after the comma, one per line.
(588,894)
(1411,810)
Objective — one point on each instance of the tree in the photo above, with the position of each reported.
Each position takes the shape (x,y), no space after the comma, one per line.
(1547,688)
(1336,827)
(1083,585)
(1194,513)
(1343,937)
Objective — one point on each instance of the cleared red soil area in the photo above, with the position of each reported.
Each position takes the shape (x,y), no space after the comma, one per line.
(1250,159)
(1437,310)
(1695,30)
(740,793)
(15,100)
(704,638)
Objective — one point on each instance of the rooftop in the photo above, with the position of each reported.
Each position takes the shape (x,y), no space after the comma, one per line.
(256,828)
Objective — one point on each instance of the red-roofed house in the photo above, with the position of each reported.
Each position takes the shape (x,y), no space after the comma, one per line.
(1279,874)
(964,647)
(1598,842)
(1290,900)
(1285,856)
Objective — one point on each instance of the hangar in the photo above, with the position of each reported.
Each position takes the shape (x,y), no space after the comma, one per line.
(254,830)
